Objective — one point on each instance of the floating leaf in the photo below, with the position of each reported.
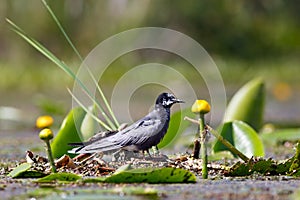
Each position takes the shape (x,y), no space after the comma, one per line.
(260,165)
(23,171)
(243,137)
(149,175)
(295,166)
(253,165)
(19,170)
(176,128)
(69,132)
(123,168)
(63,176)
(248,104)
(283,167)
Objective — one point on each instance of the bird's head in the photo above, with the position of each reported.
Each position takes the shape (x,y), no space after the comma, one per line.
(167,100)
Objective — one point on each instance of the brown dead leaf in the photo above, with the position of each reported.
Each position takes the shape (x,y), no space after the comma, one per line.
(65,161)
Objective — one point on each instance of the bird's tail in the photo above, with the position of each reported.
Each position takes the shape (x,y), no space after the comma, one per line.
(102,145)
(76,144)
(76,150)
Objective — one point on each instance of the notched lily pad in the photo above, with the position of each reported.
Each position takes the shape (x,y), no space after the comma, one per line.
(149,175)
(63,177)
(19,169)
(260,165)
(295,165)
(24,171)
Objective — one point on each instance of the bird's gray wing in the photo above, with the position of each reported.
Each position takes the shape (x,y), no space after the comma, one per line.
(134,135)
(114,141)
(141,132)
(102,145)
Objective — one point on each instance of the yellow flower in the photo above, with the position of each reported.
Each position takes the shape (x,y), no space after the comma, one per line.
(201,106)
(46,134)
(44,121)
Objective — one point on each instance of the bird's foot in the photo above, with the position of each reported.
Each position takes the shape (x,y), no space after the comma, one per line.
(116,156)
(158,158)
(123,155)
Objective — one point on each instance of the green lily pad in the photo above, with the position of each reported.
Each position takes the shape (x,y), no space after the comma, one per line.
(262,166)
(19,170)
(243,137)
(149,175)
(295,166)
(62,177)
(24,171)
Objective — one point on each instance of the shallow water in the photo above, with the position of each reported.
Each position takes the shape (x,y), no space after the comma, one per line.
(15,143)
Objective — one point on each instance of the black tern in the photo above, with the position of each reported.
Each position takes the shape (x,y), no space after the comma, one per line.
(139,136)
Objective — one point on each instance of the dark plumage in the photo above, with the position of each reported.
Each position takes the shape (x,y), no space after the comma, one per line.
(141,135)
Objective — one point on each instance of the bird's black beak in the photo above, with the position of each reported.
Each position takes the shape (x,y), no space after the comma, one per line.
(178,101)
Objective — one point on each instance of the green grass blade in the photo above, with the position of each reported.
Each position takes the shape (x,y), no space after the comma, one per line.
(41,49)
(55,60)
(81,59)
(104,99)
(89,112)
(62,29)
(98,105)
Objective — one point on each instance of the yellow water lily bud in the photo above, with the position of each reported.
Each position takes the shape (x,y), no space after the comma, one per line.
(201,106)
(46,134)
(44,121)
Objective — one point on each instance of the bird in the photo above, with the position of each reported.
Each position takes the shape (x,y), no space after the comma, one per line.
(139,136)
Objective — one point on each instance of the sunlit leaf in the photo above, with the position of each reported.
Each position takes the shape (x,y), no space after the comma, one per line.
(248,104)
(62,176)
(149,175)
(253,165)
(295,166)
(69,132)
(243,137)
(24,171)
(89,125)
(20,169)
(176,128)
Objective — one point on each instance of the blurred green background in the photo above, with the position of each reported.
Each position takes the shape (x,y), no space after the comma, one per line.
(245,38)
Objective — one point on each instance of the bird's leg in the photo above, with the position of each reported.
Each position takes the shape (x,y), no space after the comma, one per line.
(116,155)
(143,154)
(149,153)
(159,155)
(157,150)
(128,155)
